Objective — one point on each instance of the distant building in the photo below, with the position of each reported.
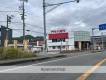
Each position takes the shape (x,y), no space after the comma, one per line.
(99,41)
(3,33)
(36,43)
(37,46)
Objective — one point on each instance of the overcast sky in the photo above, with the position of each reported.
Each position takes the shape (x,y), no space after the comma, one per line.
(72,16)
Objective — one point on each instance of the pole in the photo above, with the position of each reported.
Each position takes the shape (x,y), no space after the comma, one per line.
(23,18)
(102,41)
(61,46)
(44,23)
(7,21)
(93,38)
(6,39)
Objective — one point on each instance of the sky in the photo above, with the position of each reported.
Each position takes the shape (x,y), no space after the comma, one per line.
(74,16)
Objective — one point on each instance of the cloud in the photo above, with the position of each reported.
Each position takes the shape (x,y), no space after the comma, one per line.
(72,16)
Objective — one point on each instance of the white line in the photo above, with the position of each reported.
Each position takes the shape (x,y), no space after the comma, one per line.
(13,69)
(43,63)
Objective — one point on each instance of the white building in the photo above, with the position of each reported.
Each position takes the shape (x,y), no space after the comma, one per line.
(59,40)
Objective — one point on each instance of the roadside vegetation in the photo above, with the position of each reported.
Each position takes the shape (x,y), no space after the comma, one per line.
(13,53)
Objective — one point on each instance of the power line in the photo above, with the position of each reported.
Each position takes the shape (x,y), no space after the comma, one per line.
(37,32)
(28,30)
(8,11)
(22,29)
(34,25)
(26,24)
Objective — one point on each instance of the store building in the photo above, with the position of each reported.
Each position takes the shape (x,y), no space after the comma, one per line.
(59,40)
(82,40)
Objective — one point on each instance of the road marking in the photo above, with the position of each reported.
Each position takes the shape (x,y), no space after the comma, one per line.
(90,71)
(44,63)
(6,70)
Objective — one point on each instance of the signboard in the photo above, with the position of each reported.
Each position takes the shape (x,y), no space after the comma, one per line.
(102,27)
(82,36)
(57,31)
(58,36)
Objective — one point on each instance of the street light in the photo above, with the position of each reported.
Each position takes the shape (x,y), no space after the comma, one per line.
(45,5)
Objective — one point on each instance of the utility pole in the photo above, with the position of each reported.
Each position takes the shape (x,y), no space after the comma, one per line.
(22,7)
(23,16)
(6,38)
(7,21)
(61,46)
(44,23)
(102,41)
(45,5)
(93,38)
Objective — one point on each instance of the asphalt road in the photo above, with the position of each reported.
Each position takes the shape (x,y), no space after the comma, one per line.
(84,60)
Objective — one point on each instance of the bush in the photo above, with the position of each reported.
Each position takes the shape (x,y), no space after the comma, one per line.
(12,53)
(1,52)
(26,55)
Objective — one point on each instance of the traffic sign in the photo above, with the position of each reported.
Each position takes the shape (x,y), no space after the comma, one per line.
(102,27)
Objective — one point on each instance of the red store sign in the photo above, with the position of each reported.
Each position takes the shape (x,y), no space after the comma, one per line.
(58,36)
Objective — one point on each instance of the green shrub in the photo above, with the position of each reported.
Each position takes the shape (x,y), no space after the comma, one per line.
(13,53)
(1,52)
(27,55)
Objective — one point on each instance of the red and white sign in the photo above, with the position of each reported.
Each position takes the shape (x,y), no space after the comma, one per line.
(58,34)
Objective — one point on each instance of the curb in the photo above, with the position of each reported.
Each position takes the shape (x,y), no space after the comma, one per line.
(17,61)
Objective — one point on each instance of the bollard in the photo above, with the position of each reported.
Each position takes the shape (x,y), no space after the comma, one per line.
(26,43)
(6,43)
(15,43)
